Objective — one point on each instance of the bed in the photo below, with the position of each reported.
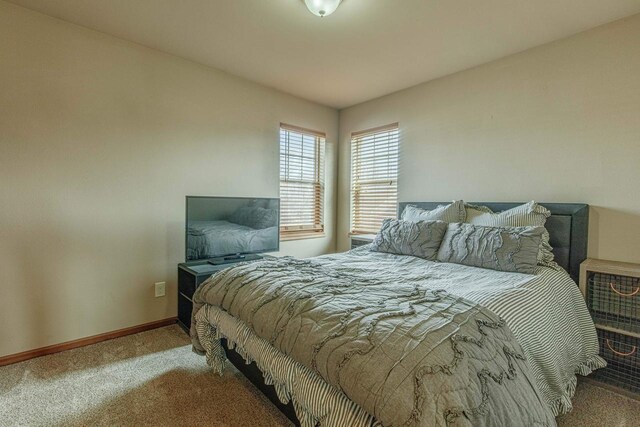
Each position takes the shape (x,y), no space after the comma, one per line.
(507,318)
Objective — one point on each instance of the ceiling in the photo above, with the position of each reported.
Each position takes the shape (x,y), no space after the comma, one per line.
(366,49)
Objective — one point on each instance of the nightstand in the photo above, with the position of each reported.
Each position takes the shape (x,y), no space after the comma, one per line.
(612,292)
(190,276)
(361,239)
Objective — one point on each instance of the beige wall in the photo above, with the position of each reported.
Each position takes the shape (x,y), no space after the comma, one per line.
(558,123)
(100,140)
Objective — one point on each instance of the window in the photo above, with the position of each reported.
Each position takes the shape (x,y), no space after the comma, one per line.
(301,182)
(374,178)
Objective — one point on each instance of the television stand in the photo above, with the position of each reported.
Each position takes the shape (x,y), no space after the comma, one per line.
(234,258)
(192,274)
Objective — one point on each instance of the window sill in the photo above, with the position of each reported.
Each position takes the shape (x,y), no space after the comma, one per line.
(301,236)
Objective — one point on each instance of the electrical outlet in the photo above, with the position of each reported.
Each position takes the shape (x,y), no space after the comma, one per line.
(160,289)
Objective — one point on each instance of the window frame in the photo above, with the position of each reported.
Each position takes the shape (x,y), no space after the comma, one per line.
(356,225)
(305,231)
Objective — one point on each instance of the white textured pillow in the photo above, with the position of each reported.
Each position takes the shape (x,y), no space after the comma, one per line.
(420,239)
(453,212)
(497,248)
(528,215)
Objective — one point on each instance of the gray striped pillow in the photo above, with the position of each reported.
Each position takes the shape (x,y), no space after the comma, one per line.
(453,212)
(528,215)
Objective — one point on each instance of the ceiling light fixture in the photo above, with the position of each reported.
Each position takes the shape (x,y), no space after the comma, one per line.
(322,8)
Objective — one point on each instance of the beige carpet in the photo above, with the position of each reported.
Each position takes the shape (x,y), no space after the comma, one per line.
(153,378)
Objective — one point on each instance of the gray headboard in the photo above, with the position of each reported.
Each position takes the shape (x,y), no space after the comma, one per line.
(568,228)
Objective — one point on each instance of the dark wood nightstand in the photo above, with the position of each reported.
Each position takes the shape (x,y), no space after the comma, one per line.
(361,239)
(190,276)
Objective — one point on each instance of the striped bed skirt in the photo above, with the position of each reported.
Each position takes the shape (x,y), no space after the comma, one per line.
(315,401)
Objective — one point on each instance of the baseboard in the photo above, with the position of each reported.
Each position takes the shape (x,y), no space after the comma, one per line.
(56,348)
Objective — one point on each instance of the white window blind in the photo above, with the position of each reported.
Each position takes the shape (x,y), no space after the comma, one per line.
(301,182)
(374,178)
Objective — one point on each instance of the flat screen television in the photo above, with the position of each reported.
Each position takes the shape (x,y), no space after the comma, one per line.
(231,228)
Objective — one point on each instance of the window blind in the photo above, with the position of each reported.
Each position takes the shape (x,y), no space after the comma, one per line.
(301,182)
(374,177)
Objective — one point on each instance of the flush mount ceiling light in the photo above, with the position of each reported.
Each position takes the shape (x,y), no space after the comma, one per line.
(322,8)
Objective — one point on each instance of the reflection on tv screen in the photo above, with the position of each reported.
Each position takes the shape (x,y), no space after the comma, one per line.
(223,226)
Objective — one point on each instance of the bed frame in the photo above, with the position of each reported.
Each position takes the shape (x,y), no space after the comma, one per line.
(568,229)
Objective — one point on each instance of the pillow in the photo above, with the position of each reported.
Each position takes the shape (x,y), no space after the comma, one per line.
(512,249)
(420,239)
(264,203)
(453,212)
(255,217)
(528,215)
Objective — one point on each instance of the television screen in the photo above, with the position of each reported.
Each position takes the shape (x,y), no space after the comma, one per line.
(225,226)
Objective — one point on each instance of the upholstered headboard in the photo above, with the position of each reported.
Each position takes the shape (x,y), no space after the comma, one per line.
(568,228)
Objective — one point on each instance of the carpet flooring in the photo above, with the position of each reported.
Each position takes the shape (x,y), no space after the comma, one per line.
(153,379)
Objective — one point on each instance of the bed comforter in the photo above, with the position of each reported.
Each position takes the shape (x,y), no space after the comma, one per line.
(386,332)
